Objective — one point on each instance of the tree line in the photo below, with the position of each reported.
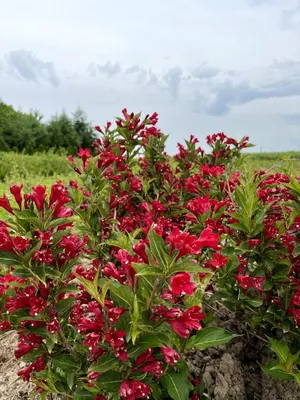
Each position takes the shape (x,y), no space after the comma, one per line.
(29,132)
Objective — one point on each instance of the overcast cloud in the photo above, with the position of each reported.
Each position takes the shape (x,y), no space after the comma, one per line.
(204,66)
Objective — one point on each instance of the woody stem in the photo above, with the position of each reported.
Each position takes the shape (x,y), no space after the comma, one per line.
(66,343)
(153,293)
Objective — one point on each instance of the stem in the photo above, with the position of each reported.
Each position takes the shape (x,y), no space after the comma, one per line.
(67,344)
(153,293)
(183,345)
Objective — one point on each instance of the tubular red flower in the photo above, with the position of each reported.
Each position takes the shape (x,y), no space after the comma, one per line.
(4,203)
(16,190)
(39,196)
(170,355)
(181,284)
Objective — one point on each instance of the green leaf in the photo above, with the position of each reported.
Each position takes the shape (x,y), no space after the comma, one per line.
(188,266)
(59,221)
(150,340)
(254,301)
(70,379)
(63,307)
(158,249)
(296,251)
(109,381)
(65,362)
(8,258)
(296,375)
(40,273)
(176,386)
(90,287)
(105,363)
(70,288)
(209,337)
(124,295)
(281,349)
(154,271)
(27,257)
(275,373)
(25,214)
(82,394)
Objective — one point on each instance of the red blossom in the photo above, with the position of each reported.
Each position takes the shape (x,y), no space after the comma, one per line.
(114,314)
(15,190)
(39,196)
(170,355)
(248,282)
(21,243)
(6,242)
(5,326)
(181,284)
(43,256)
(132,390)
(4,203)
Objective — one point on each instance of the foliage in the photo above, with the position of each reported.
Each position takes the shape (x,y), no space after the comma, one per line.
(27,133)
(16,166)
(106,311)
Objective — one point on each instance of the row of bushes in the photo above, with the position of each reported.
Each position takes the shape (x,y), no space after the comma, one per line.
(29,133)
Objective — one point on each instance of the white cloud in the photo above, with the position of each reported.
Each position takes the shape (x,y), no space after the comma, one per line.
(193,61)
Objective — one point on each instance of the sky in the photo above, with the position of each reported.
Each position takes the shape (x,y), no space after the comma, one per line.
(205,66)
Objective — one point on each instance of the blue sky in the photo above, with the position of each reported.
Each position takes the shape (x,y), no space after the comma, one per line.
(204,66)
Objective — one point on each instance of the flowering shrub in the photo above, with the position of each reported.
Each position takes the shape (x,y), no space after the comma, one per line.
(104,280)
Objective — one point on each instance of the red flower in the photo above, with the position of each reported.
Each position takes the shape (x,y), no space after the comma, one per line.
(44,256)
(5,326)
(36,366)
(200,205)
(131,390)
(59,193)
(53,326)
(218,261)
(4,203)
(140,249)
(23,348)
(209,239)
(84,155)
(114,314)
(155,368)
(296,314)
(117,341)
(21,243)
(92,340)
(36,306)
(248,282)
(183,322)
(296,298)
(98,129)
(72,244)
(15,190)
(136,185)
(39,196)
(6,242)
(115,338)
(192,317)
(181,284)
(170,355)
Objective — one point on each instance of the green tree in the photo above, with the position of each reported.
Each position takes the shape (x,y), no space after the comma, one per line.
(83,129)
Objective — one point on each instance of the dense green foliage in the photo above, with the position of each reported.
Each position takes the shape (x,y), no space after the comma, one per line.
(28,133)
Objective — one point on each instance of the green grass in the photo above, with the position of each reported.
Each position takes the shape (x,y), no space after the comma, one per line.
(274,156)
(13,165)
